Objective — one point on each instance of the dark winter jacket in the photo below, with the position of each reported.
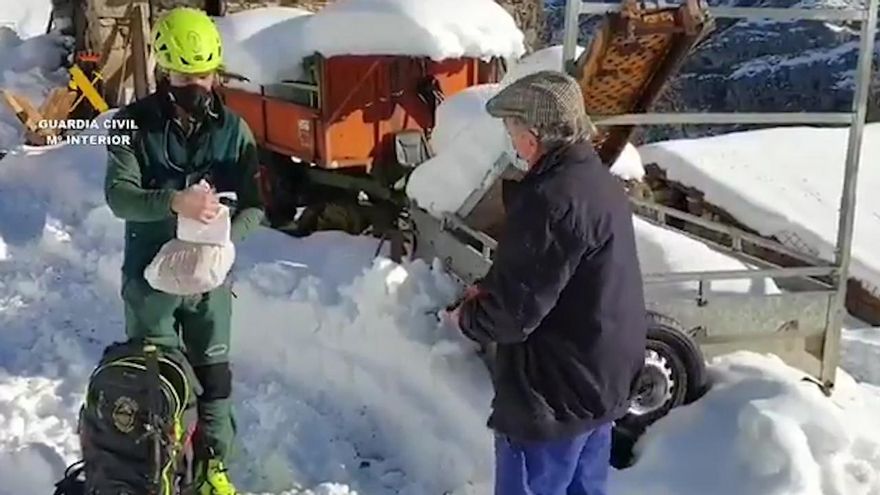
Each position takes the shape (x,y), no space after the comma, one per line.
(142,177)
(563,301)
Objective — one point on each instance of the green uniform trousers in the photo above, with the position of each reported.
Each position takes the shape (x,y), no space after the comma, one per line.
(200,326)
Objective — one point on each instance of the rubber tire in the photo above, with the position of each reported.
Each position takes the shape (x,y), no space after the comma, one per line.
(688,367)
(667,330)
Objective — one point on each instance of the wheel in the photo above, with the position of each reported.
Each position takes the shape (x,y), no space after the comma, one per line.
(674,374)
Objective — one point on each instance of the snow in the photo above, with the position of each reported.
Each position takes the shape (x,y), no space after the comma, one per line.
(549,58)
(346,383)
(761,430)
(250,36)
(27,18)
(467,142)
(424,28)
(30,68)
(628,165)
(786,183)
(773,63)
(664,251)
(313,391)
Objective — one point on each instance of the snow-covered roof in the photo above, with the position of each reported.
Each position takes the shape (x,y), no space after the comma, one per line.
(268,43)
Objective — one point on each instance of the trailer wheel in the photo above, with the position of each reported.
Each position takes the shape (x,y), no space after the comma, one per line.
(674,374)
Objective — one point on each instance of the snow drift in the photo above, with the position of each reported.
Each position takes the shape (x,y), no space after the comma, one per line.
(421,28)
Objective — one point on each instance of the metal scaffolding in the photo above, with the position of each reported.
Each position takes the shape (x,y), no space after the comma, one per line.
(867,17)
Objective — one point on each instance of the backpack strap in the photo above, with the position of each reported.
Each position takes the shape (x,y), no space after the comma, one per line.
(71,484)
(154,423)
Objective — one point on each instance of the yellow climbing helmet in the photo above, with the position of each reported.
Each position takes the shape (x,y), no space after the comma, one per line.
(186,40)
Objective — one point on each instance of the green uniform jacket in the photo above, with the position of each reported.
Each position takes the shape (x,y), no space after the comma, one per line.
(160,158)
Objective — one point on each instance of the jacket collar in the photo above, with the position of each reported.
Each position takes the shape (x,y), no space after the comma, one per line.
(575,152)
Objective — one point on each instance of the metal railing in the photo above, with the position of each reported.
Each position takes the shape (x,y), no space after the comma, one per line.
(867,17)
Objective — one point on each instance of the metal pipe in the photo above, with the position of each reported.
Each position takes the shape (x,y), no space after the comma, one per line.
(801,271)
(750,13)
(728,230)
(704,118)
(846,220)
(570,36)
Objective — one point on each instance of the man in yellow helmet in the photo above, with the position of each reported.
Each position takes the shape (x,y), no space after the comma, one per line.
(185,135)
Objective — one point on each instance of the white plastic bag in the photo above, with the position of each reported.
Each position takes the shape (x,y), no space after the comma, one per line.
(217,232)
(186,268)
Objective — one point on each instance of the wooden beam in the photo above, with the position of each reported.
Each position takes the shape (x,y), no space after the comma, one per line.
(58,104)
(29,116)
(141,61)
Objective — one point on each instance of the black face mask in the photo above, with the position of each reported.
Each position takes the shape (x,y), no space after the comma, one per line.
(193,99)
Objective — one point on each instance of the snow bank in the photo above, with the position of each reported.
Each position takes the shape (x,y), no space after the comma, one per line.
(785,183)
(29,68)
(761,430)
(424,28)
(468,142)
(27,18)
(344,379)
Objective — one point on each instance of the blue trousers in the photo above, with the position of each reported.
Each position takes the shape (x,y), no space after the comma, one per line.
(573,466)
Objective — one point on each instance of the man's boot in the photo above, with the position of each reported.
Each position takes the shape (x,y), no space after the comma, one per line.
(211,478)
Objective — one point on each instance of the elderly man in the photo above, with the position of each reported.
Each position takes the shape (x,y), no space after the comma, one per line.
(562,304)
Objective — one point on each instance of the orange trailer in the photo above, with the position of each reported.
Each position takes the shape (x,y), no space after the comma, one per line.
(348,112)
(338,128)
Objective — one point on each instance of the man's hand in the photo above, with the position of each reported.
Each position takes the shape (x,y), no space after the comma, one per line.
(471,292)
(197,203)
(453,316)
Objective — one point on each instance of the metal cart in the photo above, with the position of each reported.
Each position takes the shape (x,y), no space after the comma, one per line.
(801,325)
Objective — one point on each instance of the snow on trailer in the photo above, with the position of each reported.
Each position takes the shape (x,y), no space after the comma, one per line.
(802,325)
(354,87)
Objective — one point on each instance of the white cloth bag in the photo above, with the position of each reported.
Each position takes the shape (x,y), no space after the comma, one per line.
(218,231)
(198,260)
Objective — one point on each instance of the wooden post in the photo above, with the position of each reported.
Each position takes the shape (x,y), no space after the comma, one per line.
(142,61)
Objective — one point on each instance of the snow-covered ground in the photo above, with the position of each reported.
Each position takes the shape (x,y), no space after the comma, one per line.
(343,375)
(345,381)
(428,28)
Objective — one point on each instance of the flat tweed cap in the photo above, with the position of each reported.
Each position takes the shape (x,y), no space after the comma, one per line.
(543,99)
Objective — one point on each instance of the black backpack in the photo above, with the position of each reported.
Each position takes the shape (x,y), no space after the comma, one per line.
(136,425)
